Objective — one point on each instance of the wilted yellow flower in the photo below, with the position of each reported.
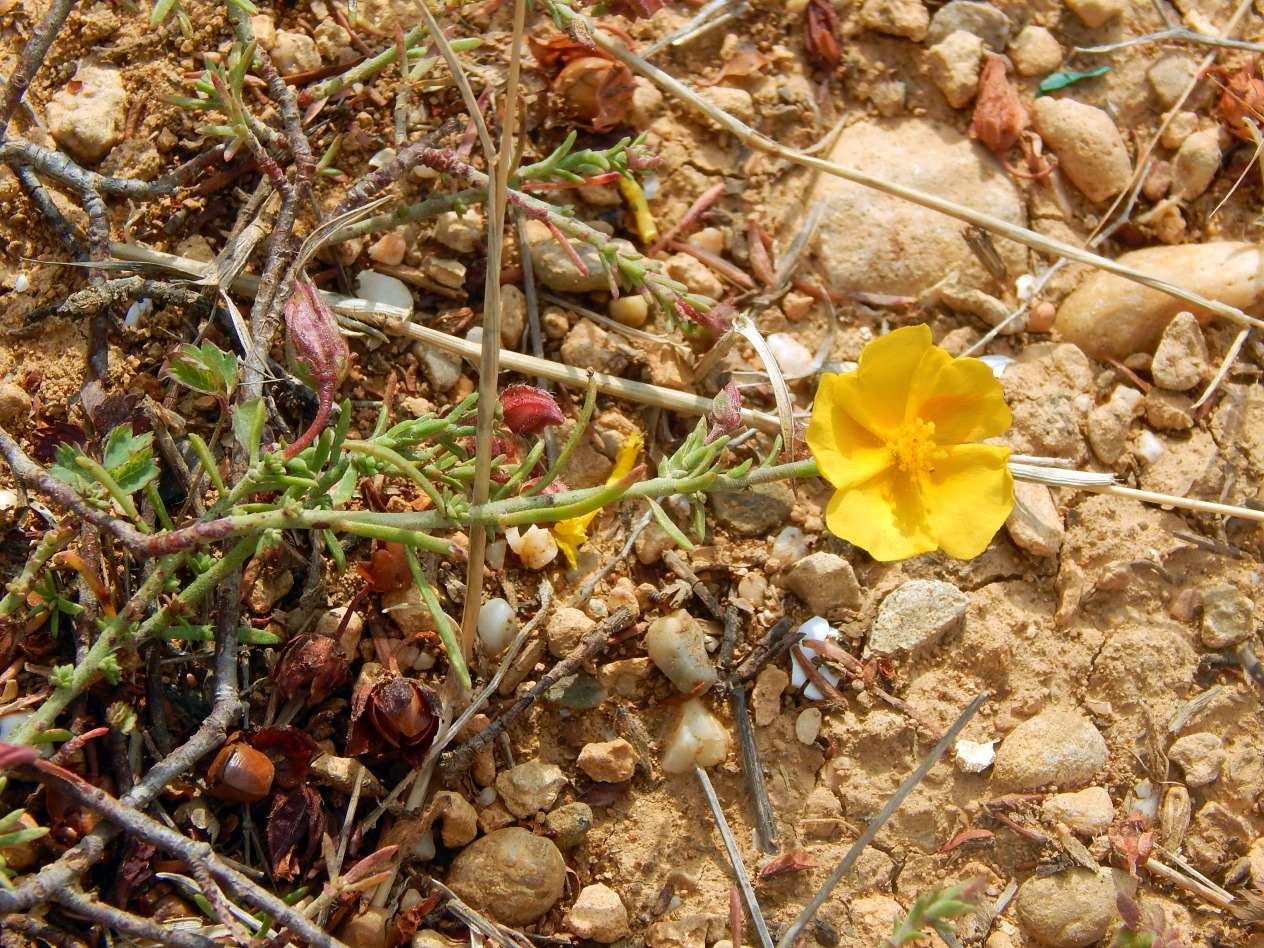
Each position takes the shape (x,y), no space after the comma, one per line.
(573,533)
(895,437)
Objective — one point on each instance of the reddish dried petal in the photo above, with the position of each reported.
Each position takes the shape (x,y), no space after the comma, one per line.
(387,569)
(295,824)
(528,410)
(999,114)
(820,33)
(291,750)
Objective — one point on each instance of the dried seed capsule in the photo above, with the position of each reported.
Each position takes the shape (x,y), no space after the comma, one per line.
(1174,817)
(241,774)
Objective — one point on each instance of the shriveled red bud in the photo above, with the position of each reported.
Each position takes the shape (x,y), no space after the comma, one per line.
(310,664)
(820,33)
(400,711)
(636,9)
(999,114)
(726,412)
(240,774)
(317,350)
(528,410)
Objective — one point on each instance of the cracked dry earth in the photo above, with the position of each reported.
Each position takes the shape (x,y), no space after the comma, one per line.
(1114,638)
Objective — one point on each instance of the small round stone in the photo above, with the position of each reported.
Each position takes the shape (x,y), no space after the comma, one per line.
(598,914)
(569,824)
(1055,747)
(608,761)
(807,726)
(1071,909)
(510,874)
(1228,617)
(530,787)
(1201,756)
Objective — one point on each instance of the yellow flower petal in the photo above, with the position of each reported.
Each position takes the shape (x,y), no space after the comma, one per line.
(573,533)
(968,496)
(570,535)
(961,397)
(876,395)
(846,452)
(884,516)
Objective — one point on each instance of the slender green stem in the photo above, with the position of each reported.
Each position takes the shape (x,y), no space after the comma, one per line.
(120,496)
(49,546)
(447,635)
(203,452)
(400,463)
(568,449)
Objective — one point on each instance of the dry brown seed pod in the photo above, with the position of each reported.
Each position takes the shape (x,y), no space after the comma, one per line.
(1174,817)
(240,774)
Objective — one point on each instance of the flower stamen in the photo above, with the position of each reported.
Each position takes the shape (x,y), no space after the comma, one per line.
(914,447)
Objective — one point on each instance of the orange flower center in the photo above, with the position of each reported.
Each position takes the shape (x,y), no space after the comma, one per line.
(914,447)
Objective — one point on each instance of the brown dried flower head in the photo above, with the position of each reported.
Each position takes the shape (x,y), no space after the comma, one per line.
(399,711)
(314,665)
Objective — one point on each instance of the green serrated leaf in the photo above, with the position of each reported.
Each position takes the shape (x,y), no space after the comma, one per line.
(130,458)
(1060,80)
(67,470)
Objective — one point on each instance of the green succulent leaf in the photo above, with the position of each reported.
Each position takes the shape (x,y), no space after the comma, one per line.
(1060,80)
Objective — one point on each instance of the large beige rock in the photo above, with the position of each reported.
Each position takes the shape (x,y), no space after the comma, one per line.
(870,242)
(87,115)
(1110,317)
(1071,909)
(510,874)
(1090,149)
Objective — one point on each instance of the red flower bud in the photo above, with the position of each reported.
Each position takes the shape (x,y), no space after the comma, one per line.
(529,409)
(316,349)
(314,335)
(726,413)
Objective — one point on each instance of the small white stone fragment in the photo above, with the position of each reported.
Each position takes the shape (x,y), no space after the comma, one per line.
(697,740)
(974,757)
(793,357)
(807,726)
(675,645)
(382,158)
(138,311)
(536,548)
(997,363)
(380,288)
(818,630)
(22,283)
(1150,447)
(788,547)
(8,499)
(497,625)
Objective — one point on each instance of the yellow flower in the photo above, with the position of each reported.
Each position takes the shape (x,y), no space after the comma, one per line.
(894,438)
(572,534)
